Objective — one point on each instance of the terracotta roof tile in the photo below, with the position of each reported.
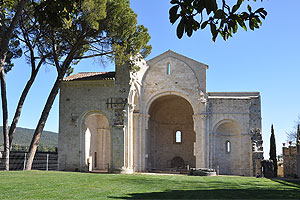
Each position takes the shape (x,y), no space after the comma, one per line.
(91,76)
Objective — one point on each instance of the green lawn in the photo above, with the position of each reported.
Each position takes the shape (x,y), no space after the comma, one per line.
(74,185)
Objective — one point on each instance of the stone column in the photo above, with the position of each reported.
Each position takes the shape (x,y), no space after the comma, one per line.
(137,141)
(144,118)
(202,135)
(117,147)
(211,149)
(200,147)
(207,141)
(130,140)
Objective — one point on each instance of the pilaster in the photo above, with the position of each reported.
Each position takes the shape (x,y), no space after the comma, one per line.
(137,141)
(201,146)
(144,118)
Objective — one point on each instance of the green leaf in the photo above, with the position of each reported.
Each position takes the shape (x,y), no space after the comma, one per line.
(173,16)
(195,25)
(210,5)
(203,25)
(249,8)
(242,23)
(180,28)
(214,32)
(174,1)
(214,5)
(235,27)
(188,27)
(219,14)
(234,8)
(251,25)
(262,16)
(264,12)
(259,10)
(239,2)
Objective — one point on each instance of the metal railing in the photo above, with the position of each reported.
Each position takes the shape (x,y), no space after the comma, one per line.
(42,160)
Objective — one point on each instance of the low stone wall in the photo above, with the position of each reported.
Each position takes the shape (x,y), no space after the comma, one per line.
(202,172)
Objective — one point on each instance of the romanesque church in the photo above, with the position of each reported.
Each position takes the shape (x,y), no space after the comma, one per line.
(158,118)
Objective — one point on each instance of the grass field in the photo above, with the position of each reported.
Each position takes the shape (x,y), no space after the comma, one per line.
(72,185)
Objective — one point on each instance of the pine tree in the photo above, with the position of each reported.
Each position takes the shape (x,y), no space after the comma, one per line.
(273,156)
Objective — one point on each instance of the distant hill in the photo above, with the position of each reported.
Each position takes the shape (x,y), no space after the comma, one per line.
(23,137)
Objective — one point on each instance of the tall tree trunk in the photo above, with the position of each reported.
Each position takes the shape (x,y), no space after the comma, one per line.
(16,118)
(5,116)
(5,38)
(41,124)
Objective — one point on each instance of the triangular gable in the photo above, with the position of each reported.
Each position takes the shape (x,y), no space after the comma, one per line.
(171,53)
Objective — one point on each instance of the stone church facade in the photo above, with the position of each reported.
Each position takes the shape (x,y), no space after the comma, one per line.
(159,118)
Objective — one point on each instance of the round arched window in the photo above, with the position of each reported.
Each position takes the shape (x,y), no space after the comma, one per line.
(178,137)
(168,68)
(228,146)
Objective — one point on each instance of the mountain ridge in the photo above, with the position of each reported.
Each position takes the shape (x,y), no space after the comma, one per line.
(23,136)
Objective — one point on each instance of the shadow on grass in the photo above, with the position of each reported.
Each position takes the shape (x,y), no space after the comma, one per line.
(216,194)
(288,182)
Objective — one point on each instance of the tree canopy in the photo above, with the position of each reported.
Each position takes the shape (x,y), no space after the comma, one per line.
(10,12)
(60,34)
(70,31)
(294,135)
(8,21)
(222,17)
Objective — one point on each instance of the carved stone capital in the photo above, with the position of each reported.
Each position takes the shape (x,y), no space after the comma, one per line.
(137,115)
(131,107)
(146,117)
(203,97)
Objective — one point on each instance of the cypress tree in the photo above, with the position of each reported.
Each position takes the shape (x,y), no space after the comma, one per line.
(273,150)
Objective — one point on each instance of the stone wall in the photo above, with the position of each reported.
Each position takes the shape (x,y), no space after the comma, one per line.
(145,108)
(235,108)
(289,161)
(78,100)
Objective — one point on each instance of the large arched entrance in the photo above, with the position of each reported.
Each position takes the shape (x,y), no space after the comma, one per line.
(171,135)
(97,142)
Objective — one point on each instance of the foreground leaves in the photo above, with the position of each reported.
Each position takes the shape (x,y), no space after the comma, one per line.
(224,20)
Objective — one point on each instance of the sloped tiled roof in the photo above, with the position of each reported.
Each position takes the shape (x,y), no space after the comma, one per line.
(82,76)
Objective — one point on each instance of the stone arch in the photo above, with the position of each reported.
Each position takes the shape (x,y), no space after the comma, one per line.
(227,121)
(131,135)
(134,97)
(162,93)
(228,162)
(169,113)
(94,141)
(177,162)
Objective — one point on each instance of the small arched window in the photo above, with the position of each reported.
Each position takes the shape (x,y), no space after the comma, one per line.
(228,146)
(178,137)
(168,68)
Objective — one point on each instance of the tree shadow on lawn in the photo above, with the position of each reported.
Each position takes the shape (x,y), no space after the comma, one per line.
(217,194)
(288,182)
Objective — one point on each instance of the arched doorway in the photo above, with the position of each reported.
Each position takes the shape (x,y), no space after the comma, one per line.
(171,135)
(228,148)
(97,142)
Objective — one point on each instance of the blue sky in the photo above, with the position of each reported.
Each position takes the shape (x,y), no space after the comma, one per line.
(266,60)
